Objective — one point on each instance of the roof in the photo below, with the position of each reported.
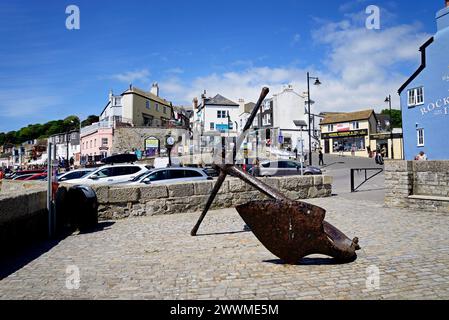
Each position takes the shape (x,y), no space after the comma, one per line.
(147,95)
(421,67)
(219,100)
(347,117)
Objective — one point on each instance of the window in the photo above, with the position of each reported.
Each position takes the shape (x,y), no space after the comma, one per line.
(355,125)
(95,143)
(416,97)
(165,110)
(124,171)
(330,127)
(420,137)
(104,173)
(147,104)
(158,176)
(91,143)
(212,126)
(104,141)
(221,114)
(156,106)
(266,120)
(192,174)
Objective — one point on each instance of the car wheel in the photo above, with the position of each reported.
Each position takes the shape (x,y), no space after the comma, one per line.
(308,174)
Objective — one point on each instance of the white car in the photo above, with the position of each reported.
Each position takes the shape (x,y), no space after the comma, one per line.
(111,174)
(169,175)
(74,174)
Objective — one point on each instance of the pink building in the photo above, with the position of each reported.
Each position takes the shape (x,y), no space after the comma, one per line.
(96,142)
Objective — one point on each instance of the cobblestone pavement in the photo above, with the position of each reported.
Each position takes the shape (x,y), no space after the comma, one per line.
(155,258)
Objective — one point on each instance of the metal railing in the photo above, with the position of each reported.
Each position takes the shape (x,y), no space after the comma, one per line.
(366,177)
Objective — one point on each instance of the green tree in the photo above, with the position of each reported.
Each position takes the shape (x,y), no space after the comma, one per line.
(396,117)
(90,119)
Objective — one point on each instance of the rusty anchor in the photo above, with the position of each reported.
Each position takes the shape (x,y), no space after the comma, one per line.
(291,230)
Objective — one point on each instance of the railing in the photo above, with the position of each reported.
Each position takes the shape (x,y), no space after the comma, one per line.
(353,171)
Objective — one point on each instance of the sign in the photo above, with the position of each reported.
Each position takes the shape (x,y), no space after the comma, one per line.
(151,142)
(385,136)
(437,108)
(343,127)
(345,134)
(103,148)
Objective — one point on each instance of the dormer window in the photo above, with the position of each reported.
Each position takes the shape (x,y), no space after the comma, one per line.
(416,97)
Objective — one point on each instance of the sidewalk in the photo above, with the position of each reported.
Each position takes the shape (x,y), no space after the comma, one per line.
(156,258)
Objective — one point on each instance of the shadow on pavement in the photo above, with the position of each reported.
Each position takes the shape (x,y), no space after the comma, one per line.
(14,261)
(309,262)
(222,233)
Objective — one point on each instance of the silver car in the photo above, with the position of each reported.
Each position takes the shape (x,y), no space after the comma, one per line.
(169,175)
(284,168)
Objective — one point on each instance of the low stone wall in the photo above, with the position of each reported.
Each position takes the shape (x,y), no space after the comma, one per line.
(420,185)
(23,217)
(123,202)
(8,187)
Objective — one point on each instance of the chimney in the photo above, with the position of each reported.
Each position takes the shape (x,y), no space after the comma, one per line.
(110,95)
(443,17)
(155,89)
(241,105)
(195,103)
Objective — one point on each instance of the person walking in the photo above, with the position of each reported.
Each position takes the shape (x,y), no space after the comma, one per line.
(321,157)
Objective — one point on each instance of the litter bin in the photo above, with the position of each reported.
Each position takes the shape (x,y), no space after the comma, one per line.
(62,210)
(83,207)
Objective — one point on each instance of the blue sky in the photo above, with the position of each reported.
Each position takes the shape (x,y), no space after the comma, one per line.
(229,47)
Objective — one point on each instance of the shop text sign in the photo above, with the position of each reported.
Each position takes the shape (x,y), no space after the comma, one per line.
(437,108)
(345,134)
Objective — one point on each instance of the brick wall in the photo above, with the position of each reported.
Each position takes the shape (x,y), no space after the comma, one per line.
(119,202)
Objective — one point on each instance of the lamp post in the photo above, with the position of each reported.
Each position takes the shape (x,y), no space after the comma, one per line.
(317,83)
(388,100)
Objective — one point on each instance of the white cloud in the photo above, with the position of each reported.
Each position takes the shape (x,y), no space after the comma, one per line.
(132,76)
(359,70)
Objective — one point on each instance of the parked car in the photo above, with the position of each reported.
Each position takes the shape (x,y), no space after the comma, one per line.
(22,177)
(169,175)
(74,174)
(36,177)
(111,174)
(284,168)
(17,174)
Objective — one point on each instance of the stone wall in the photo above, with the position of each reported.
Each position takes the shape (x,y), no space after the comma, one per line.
(8,187)
(120,202)
(127,138)
(23,217)
(420,185)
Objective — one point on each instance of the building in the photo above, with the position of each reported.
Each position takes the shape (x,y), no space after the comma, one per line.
(133,109)
(67,145)
(139,108)
(425,98)
(359,133)
(217,115)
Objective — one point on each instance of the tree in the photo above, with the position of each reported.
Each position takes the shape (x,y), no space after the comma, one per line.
(90,119)
(396,117)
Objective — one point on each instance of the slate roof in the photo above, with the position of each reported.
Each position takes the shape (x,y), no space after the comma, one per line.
(219,100)
(347,117)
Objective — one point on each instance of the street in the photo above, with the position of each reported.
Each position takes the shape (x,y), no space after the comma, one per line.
(404,256)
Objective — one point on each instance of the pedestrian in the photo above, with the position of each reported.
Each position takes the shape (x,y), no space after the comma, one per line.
(353,151)
(421,156)
(256,167)
(321,157)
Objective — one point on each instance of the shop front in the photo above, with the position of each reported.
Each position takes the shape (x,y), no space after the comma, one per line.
(352,142)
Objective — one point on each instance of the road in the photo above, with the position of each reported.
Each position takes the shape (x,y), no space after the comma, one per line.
(339,168)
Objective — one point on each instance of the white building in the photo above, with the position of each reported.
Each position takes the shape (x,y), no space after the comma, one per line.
(67,145)
(216,115)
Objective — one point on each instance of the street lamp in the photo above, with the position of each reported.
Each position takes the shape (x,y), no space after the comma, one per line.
(317,83)
(388,100)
